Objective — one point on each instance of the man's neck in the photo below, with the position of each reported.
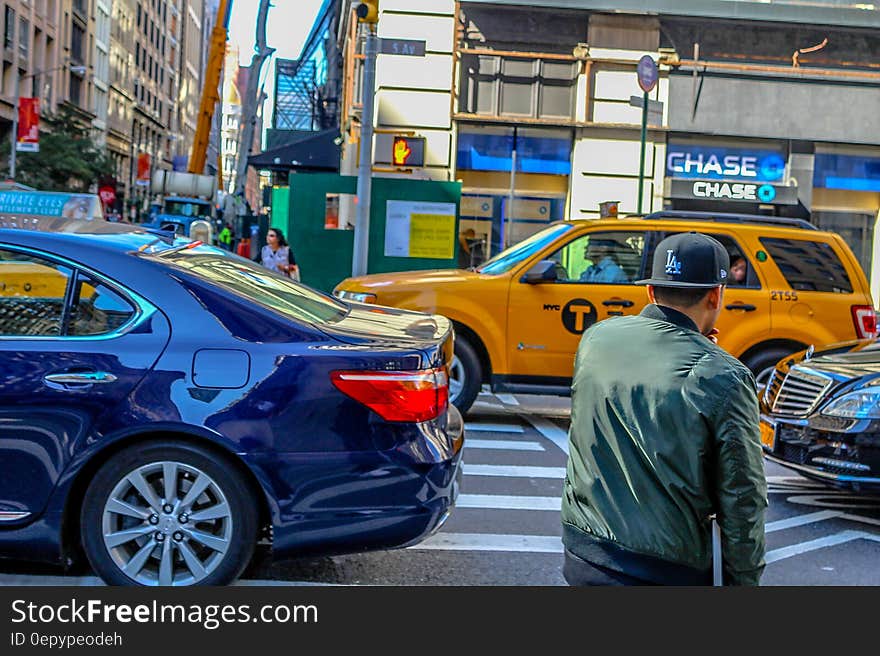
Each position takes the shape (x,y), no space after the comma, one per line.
(692,313)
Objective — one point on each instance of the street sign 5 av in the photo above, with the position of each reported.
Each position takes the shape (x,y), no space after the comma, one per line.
(406,47)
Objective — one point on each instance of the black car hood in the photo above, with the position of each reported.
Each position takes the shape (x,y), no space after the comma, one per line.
(848,359)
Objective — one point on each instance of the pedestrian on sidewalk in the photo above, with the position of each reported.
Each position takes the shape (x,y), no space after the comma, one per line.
(277,255)
(664,434)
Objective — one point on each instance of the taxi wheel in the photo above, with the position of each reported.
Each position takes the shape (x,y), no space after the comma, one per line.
(763,363)
(465,376)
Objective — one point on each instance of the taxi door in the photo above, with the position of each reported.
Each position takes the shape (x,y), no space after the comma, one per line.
(595,279)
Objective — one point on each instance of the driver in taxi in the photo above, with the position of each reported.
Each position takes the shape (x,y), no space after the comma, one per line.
(604,268)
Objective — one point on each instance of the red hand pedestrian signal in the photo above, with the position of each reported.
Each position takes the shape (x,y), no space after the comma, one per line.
(401,151)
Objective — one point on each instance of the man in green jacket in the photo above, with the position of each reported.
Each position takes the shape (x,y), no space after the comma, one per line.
(664,434)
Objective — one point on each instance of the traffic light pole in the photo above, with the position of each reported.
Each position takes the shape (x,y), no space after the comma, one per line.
(365,167)
(642,156)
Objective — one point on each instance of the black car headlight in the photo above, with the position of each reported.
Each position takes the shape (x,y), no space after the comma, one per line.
(862,404)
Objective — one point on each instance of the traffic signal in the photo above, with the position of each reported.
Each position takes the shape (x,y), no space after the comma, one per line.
(408,151)
(368,11)
(401,151)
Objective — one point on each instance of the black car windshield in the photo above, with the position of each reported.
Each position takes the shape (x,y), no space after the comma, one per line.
(507,259)
(251,281)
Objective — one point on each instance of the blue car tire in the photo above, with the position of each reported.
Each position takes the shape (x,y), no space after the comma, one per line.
(168,513)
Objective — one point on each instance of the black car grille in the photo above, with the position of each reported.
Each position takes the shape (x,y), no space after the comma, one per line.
(834,453)
(794,453)
(797,393)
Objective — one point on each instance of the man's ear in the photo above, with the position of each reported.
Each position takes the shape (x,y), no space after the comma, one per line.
(651,294)
(715,297)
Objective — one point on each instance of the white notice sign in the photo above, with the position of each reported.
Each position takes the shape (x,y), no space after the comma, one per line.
(420,229)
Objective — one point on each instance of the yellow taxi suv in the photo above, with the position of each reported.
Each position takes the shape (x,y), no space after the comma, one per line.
(519,317)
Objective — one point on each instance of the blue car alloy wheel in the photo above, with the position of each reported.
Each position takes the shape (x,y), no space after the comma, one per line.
(170,514)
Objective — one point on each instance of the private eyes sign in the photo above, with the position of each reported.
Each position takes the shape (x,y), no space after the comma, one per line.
(724,164)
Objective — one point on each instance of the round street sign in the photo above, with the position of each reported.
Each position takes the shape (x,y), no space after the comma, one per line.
(648,73)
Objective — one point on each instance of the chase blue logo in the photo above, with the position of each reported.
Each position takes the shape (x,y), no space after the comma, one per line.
(695,162)
(772,167)
(766,193)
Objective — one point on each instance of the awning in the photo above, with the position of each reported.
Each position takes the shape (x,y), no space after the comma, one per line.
(317,151)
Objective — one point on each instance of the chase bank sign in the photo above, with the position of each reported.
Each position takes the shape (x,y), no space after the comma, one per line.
(696,162)
(743,192)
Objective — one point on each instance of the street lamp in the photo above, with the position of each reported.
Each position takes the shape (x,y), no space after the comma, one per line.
(78,69)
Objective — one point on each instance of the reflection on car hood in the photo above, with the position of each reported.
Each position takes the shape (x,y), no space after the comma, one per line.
(848,359)
(378,324)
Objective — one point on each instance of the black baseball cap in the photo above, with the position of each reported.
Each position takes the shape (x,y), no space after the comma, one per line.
(689,259)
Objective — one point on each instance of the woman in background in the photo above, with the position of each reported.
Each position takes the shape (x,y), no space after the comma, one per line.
(277,256)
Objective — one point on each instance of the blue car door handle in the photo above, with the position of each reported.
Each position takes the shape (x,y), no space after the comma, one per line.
(80,378)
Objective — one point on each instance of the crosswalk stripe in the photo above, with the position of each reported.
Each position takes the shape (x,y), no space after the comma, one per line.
(819,543)
(93,581)
(491,542)
(503,445)
(513,471)
(492,428)
(551,431)
(801,520)
(799,481)
(509,399)
(28,579)
(502,502)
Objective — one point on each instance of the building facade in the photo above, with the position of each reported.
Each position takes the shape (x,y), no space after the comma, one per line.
(760,107)
(32,55)
(130,70)
(307,89)
(230,126)
(121,102)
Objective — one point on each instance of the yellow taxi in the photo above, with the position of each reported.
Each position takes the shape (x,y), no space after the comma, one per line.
(520,316)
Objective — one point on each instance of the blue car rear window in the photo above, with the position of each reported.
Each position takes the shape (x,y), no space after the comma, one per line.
(253,282)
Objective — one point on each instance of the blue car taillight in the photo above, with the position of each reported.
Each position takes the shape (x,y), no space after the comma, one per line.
(399,396)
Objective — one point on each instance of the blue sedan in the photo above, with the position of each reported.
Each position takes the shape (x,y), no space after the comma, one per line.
(165,405)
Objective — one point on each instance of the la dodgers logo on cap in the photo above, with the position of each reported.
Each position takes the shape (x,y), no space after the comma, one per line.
(673,266)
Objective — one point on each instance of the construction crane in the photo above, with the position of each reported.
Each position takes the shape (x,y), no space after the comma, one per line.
(211,88)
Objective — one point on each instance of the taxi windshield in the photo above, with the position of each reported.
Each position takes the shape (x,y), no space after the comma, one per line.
(507,259)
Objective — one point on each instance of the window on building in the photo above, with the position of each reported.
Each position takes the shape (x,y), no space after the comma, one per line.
(75,89)
(9,27)
(77,37)
(137,54)
(24,36)
(139,15)
(517,87)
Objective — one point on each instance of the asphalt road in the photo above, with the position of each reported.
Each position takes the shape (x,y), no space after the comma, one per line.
(506,531)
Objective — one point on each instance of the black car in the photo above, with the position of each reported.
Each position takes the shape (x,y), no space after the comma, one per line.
(820,414)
